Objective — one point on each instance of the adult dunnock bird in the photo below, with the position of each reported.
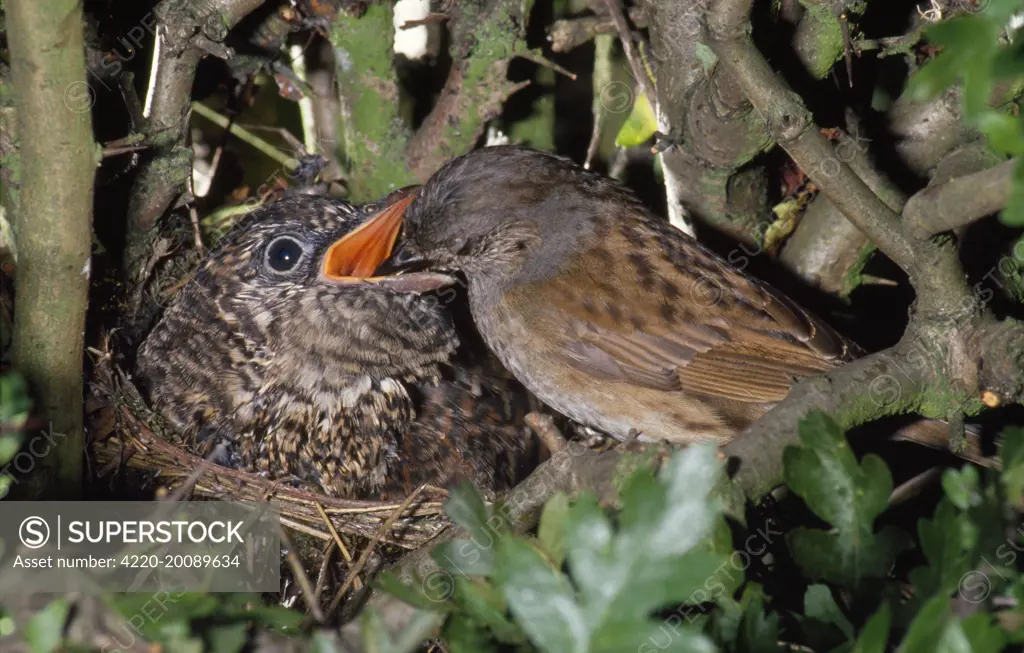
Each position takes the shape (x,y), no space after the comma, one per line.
(282,348)
(606,312)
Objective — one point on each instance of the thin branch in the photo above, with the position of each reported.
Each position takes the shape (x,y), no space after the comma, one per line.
(601,79)
(309,594)
(53,224)
(568,34)
(712,133)
(353,574)
(635,65)
(959,201)
(245,135)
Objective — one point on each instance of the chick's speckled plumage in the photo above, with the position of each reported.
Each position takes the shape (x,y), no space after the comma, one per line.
(343,385)
(605,311)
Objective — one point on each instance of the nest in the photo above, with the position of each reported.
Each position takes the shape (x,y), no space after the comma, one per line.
(125,435)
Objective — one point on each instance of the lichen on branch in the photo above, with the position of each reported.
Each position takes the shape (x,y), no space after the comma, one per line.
(381,151)
(375,135)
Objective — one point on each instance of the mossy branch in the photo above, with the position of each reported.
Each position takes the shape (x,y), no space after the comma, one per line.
(52,225)
(375,135)
(382,152)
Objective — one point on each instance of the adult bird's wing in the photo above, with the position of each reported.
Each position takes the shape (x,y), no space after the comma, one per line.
(662,312)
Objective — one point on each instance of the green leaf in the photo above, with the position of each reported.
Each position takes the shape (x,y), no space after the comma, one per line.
(184,645)
(274,617)
(935,630)
(1002,130)
(662,552)
(321,642)
(726,621)
(44,632)
(15,405)
(984,634)
(759,632)
(705,55)
(417,597)
(469,557)
(229,638)
(376,637)
(819,604)
(875,635)
(961,486)
(10,445)
(833,558)
(647,635)
(466,508)
(485,606)
(640,125)
(926,628)
(464,635)
(692,512)
(178,615)
(1012,455)
(653,560)
(1000,11)
(824,472)
(946,541)
(1013,213)
(551,529)
(541,599)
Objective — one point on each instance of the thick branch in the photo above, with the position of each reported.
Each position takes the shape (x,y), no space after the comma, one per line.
(847,394)
(959,201)
(52,225)
(381,152)
(186,32)
(715,131)
(823,35)
(935,370)
(933,267)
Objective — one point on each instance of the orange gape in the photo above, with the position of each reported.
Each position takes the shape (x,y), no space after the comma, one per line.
(358,254)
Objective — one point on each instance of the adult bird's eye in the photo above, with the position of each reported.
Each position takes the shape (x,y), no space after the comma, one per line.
(284,254)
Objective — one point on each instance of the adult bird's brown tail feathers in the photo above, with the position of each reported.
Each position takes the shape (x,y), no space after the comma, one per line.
(934,434)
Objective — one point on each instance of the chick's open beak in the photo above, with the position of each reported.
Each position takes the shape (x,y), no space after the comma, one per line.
(355,257)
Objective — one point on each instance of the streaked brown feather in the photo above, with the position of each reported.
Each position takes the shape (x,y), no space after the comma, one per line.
(750,348)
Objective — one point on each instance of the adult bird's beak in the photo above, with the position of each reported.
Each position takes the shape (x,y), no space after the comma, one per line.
(355,257)
(404,259)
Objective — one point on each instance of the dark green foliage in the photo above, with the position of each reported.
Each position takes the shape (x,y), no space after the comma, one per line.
(651,575)
(976,53)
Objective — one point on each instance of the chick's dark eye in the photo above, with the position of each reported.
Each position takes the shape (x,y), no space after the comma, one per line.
(284,254)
